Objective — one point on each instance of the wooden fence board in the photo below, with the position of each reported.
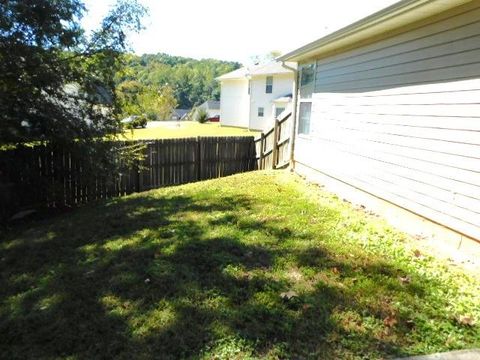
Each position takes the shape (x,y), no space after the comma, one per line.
(273,146)
(43,176)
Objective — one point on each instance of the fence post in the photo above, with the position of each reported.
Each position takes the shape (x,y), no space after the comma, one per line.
(262,146)
(275,145)
(199,160)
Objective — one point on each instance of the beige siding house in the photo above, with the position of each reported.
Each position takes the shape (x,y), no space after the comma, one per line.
(388,114)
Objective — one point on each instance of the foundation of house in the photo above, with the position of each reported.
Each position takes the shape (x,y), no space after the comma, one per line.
(445,241)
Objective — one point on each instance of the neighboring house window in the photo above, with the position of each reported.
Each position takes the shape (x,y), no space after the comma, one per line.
(260,112)
(278,111)
(269,87)
(304,114)
(307,80)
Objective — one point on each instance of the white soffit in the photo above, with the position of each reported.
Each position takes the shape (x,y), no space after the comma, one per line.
(396,16)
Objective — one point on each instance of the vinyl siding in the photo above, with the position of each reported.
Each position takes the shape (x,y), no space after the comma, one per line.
(400,119)
(234,103)
(282,85)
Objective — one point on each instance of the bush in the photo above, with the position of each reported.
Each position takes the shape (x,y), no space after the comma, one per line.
(152,116)
(137,122)
(201,115)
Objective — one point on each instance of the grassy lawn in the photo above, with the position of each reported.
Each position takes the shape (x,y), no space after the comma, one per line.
(181,129)
(258,265)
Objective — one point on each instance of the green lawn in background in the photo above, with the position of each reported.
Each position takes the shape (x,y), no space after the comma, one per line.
(258,265)
(183,129)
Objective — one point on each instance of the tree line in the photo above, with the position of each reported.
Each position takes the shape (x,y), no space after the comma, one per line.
(174,81)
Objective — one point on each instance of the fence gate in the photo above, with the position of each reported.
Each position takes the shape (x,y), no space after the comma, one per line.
(273,147)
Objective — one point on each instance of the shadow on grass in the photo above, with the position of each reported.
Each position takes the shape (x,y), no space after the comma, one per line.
(177,277)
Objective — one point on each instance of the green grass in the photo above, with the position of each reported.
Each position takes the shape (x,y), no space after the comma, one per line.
(182,129)
(258,265)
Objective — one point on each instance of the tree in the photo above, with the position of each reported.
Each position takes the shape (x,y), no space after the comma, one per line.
(129,95)
(57,82)
(159,103)
(265,58)
(193,81)
(134,98)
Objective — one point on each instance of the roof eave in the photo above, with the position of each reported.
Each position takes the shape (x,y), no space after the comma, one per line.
(392,17)
(231,78)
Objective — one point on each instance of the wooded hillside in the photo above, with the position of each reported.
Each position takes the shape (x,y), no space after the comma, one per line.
(193,81)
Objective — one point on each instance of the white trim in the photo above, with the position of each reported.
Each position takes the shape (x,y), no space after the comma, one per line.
(398,15)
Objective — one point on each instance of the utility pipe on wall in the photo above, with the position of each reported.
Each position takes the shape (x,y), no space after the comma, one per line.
(294,113)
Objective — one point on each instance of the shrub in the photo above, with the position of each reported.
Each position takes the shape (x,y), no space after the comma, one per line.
(201,115)
(139,121)
(152,116)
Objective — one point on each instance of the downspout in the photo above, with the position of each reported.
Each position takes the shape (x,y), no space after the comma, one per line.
(249,83)
(294,114)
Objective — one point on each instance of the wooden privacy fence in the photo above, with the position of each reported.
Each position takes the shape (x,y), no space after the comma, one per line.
(43,176)
(273,147)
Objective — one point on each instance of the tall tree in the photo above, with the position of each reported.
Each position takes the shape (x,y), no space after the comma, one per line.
(56,81)
(157,103)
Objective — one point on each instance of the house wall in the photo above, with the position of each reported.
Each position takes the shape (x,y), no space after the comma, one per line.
(213,112)
(400,119)
(234,103)
(282,85)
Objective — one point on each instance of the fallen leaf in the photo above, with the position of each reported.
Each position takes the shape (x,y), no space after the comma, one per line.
(390,321)
(335,270)
(466,320)
(417,253)
(405,279)
(147,281)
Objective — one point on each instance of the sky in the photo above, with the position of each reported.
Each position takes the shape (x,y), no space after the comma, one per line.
(236,30)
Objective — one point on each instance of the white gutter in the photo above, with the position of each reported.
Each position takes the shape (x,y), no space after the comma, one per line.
(294,113)
(398,15)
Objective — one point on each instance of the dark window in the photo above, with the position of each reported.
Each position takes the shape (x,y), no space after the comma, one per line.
(278,111)
(307,75)
(269,86)
(260,112)
(304,115)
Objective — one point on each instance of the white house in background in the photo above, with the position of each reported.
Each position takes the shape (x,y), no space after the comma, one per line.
(212,107)
(389,116)
(251,97)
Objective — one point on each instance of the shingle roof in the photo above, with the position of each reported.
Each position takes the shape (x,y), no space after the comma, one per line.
(269,69)
(213,104)
(181,112)
(272,68)
(284,98)
(236,74)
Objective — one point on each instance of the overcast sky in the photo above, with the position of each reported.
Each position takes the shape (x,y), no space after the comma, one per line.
(236,30)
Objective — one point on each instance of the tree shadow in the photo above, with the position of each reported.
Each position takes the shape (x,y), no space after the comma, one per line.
(167,277)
